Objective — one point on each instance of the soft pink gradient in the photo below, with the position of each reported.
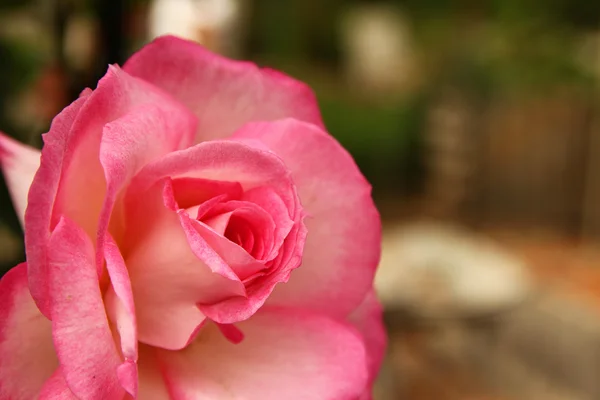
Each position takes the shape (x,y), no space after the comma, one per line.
(224,94)
(19,164)
(191,231)
(27,355)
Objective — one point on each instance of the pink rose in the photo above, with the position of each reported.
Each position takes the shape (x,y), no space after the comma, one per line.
(165,225)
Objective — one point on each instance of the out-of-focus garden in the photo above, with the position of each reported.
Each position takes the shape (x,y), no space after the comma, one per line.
(477,122)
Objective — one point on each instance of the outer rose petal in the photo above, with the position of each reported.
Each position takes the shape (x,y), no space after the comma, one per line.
(367,318)
(344,230)
(223,93)
(144,134)
(108,133)
(286,354)
(27,357)
(19,164)
(82,337)
(116,106)
(41,201)
(56,388)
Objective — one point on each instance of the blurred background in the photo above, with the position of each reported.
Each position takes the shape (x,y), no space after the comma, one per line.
(477,122)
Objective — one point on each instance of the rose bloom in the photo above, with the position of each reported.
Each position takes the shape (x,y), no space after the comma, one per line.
(191,232)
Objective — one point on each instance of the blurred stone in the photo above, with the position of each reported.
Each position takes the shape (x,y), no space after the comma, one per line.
(436,271)
(559,337)
(546,347)
(518,378)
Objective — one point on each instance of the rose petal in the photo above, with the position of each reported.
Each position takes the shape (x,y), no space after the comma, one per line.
(99,149)
(290,254)
(368,319)
(285,354)
(240,308)
(167,264)
(268,200)
(366,396)
(151,382)
(260,219)
(82,337)
(231,333)
(27,356)
(217,223)
(191,192)
(245,236)
(217,160)
(238,259)
(72,181)
(259,284)
(56,388)
(122,308)
(221,161)
(244,214)
(128,377)
(223,93)
(41,201)
(343,245)
(148,131)
(224,258)
(19,164)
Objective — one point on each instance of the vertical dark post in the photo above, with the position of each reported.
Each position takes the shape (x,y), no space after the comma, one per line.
(111,15)
(61,12)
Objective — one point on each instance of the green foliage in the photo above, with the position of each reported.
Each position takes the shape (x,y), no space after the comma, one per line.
(384,138)
(12,4)
(276,29)
(18,67)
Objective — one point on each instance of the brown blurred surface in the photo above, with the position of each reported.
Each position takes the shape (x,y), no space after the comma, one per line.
(546,348)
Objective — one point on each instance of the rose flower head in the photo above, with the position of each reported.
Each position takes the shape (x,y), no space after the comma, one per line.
(191,232)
